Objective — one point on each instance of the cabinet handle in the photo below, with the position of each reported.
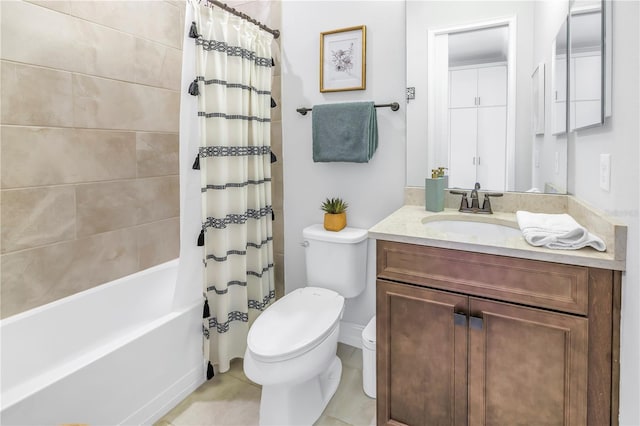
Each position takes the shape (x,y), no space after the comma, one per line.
(476,323)
(478,161)
(478,100)
(459,319)
(474,161)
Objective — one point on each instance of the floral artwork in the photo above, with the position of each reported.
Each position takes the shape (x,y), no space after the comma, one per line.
(342,59)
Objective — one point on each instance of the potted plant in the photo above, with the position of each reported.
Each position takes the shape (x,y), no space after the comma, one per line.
(335,216)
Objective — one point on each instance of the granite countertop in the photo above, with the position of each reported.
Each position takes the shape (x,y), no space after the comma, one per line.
(406,225)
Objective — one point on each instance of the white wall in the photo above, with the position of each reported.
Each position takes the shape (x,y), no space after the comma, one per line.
(620,137)
(373,190)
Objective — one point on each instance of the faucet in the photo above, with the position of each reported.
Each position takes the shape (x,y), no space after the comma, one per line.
(475,204)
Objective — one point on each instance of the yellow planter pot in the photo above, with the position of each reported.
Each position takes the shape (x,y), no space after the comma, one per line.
(335,222)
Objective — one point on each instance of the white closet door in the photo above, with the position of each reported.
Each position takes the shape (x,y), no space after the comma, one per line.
(560,80)
(587,113)
(492,86)
(463,88)
(588,81)
(587,110)
(492,144)
(462,156)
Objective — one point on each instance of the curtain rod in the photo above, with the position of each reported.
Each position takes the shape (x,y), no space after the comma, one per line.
(393,105)
(276,33)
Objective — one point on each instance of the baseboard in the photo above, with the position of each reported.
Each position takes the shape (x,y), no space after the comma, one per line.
(168,399)
(351,334)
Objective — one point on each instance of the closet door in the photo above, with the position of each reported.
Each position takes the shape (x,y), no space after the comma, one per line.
(588,87)
(559,97)
(463,88)
(492,146)
(463,124)
(492,86)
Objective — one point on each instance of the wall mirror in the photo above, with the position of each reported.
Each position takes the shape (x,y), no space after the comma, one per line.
(589,68)
(454,48)
(559,80)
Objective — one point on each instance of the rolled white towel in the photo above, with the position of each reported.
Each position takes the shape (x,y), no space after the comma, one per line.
(556,231)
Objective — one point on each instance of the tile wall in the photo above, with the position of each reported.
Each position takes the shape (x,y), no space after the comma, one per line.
(89,116)
(90,94)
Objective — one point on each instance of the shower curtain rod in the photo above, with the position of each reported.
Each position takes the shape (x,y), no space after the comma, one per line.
(276,33)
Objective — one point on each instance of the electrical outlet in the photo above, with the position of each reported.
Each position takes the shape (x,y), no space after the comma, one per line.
(605,171)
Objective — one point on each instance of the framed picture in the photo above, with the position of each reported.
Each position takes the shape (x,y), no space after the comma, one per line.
(537,99)
(342,59)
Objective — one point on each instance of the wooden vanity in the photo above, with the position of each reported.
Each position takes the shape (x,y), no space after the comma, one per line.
(466,337)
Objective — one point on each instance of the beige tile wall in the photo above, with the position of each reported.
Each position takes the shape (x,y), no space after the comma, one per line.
(89,102)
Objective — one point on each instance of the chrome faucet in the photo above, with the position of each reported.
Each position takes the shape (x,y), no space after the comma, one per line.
(475,204)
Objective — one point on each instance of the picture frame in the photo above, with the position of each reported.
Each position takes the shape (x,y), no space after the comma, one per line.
(343,59)
(537,99)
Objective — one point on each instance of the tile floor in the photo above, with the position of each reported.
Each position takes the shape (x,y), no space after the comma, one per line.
(232,399)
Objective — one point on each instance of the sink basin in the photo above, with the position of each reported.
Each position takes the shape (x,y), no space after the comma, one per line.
(471,229)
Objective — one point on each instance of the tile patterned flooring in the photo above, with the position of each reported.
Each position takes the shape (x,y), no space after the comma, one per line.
(232,399)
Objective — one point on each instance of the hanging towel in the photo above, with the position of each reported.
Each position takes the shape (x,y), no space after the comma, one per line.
(344,132)
(556,231)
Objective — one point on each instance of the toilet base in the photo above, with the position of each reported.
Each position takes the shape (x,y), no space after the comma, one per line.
(302,403)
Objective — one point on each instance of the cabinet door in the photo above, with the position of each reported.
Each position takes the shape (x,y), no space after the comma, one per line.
(492,86)
(421,356)
(492,147)
(463,124)
(526,366)
(463,88)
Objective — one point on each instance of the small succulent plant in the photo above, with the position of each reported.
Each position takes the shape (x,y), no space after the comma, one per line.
(334,206)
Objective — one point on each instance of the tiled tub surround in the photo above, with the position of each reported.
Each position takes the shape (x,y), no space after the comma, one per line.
(90,96)
(89,180)
(407,225)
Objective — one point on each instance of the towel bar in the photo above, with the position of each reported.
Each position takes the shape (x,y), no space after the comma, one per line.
(393,105)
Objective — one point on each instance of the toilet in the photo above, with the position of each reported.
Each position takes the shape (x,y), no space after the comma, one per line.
(291,346)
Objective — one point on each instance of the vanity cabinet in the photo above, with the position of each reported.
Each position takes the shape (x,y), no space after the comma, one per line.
(470,338)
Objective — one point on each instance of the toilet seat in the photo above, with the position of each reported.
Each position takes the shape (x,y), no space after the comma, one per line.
(295,324)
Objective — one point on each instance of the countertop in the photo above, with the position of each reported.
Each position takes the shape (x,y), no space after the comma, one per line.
(405,225)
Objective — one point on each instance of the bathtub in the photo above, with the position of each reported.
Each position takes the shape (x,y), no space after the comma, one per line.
(119,353)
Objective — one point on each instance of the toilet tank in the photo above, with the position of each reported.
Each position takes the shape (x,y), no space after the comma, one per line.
(336,260)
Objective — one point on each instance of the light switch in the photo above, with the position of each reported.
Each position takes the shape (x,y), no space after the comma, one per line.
(605,171)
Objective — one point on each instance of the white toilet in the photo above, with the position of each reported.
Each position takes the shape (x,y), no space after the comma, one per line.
(291,347)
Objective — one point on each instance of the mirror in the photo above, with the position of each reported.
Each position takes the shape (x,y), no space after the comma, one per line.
(522,160)
(559,80)
(586,106)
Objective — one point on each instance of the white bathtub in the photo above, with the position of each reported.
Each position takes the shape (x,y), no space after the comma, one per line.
(115,354)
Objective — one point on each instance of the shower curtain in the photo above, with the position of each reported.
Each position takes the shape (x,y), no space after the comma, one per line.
(233,89)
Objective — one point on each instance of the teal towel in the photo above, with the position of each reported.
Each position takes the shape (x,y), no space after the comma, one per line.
(345,132)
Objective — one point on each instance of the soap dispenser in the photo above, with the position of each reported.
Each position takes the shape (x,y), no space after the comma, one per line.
(434,192)
(442,175)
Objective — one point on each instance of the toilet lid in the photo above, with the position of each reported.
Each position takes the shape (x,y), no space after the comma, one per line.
(295,324)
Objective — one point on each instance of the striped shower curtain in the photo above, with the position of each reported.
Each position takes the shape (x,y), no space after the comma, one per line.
(233,66)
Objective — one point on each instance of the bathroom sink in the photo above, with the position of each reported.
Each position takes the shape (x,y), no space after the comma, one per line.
(473,229)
